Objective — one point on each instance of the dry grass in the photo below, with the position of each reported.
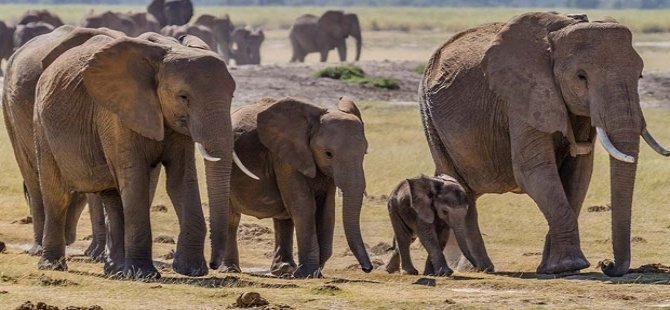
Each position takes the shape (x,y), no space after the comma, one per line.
(513,230)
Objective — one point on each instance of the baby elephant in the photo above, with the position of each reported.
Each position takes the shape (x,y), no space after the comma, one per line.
(427,207)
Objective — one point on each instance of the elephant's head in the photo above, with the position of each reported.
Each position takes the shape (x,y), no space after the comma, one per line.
(171,12)
(26,32)
(315,140)
(337,25)
(111,20)
(32,16)
(445,197)
(6,41)
(153,84)
(247,49)
(144,22)
(222,28)
(552,69)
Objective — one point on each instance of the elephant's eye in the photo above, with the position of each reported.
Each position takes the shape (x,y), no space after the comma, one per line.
(641,77)
(329,155)
(581,76)
(183,99)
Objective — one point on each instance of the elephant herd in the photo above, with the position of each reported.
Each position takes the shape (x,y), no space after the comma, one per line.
(309,34)
(93,115)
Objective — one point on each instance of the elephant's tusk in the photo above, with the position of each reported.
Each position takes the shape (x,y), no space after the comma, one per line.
(610,148)
(653,144)
(204,153)
(244,169)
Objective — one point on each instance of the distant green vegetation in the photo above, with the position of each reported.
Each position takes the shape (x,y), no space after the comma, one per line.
(355,75)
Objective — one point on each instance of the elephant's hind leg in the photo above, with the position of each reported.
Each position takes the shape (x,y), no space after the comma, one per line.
(283,264)
(96,250)
(231,260)
(115,250)
(393,264)
(74,210)
(35,200)
(325,224)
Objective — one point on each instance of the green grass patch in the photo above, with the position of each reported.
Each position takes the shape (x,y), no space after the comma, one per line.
(355,75)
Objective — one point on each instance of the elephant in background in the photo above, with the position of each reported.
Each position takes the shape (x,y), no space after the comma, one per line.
(144,22)
(222,28)
(171,12)
(310,34)
(201,32)
(301,152)
(427,207)
(25,33)
(247,45)
(501,123)
(32,16)
(112,20)
(6,42)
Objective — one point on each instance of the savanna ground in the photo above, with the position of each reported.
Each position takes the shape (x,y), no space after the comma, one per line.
(512,225)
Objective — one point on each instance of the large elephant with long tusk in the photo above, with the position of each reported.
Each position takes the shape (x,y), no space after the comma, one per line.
(516,107)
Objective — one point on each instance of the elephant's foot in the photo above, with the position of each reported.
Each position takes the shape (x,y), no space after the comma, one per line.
(46,263)
(35,250)
(563,259)
(409,270)
(393,264)
(306,271)
(113,269)
(283,269)
(230,268)
(96,251)
(193,265)
(441,272)
(143,269)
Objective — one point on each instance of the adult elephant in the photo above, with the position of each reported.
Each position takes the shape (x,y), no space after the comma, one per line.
(6,42)
(312,34)
(247,45)
(112,20)
(32,16)
(25,33)
(171,12)
(516,106)
(199,31)
(144,22)
(222,28)
(301,153)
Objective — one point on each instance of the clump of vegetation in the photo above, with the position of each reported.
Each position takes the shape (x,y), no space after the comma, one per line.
(420,68)
(355,75)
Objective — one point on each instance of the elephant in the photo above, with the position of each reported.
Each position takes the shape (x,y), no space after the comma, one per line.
(6,42)
(310,34)
(25,33)
(112,20)
(222,28)
(427,207)
(202,32)
(171,12)
(247,45)
(23,71)
(45,16)
(144,22)
(300,152)
(515,107)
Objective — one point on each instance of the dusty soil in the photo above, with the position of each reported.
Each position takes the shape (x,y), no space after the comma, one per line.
(298,80)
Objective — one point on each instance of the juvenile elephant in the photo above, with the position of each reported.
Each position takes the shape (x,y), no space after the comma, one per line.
(103,124)
(222,28)
(427,207)
(199,31)
(247,45)
(171,12)
(301,152)
(516,106)
(28,31)
(312,34)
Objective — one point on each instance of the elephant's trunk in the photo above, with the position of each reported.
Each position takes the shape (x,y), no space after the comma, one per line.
(457,220)
(353,187)
(359,44)
(622,182)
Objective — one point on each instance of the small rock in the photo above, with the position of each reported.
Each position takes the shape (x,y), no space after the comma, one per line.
(159,208)
(164,239)
(638,240)
(449,301)
(48,281)
(25,220)
(425,281)
(250,299)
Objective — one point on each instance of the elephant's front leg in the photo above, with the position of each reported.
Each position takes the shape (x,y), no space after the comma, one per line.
(342,50)
(535,169)
(475,241)
(429,239)
(283,264)
(325,224)
(231,259)
(77,205)
(35,200)
(298,198)
(96,250)
(182,187)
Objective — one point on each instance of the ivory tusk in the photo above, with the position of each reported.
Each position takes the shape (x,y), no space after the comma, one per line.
(244,169)
(653,144)
(611,149)
(204,153)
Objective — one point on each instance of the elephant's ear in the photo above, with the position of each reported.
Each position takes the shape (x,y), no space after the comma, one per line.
(285,128)
(332,23)
(189,40)
(519,69)
(77,36)
(421,192)
(347,105)
(156,8)
(121,78)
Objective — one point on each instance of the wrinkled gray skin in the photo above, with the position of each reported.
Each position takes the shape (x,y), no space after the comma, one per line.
(171,12)
(23,72)
(300,152)
(222,28)
(502,123)
(247,45)
(427,207)
(199,31)
(312,34)
(28,31)
(32,16)
(112,20)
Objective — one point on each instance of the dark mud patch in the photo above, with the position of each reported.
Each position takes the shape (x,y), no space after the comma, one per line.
(159,208)
(43,306)
(164,239)
(3,247)
(80,259)
(651,268)
(25,220)
(45,280)
(638,240)
(10,279)
(381,248)
(228,281)
(425,282)
(599,208)
(342,281)
(328,289)
(532,254)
